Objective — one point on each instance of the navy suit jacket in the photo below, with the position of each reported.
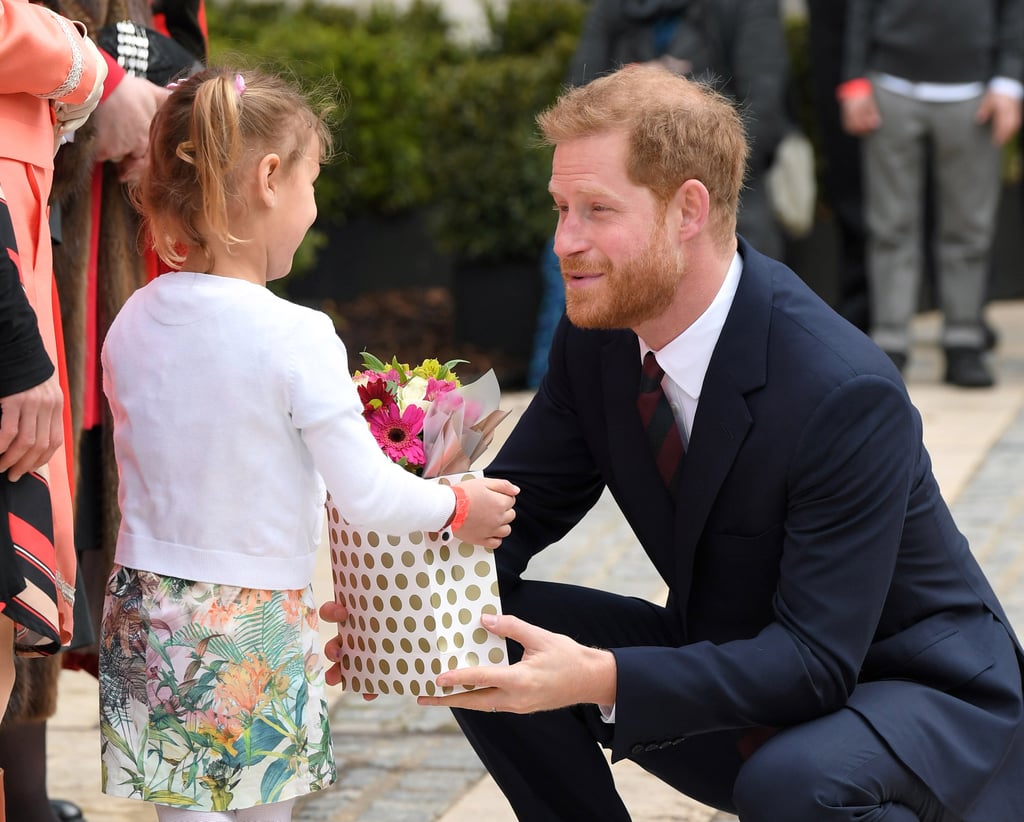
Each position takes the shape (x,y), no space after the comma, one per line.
(811,561)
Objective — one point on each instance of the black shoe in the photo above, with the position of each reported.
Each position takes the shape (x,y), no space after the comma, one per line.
(899,359)
(66,811)
(966,367)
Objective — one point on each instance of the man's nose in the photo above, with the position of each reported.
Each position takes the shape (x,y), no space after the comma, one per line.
(569,237)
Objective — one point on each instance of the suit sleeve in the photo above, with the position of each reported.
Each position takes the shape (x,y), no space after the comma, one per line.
(1010,47)
(857,39)
(547,456)
(41,53)
(24,362)
(849,482)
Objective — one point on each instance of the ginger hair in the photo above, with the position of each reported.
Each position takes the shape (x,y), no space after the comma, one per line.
(203,139)
(678,129)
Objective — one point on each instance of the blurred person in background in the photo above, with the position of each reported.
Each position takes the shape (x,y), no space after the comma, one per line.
(935,79)
(97,264)
(739,46)
(51,79)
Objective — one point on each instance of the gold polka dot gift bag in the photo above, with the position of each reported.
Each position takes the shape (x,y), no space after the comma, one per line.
(415,600)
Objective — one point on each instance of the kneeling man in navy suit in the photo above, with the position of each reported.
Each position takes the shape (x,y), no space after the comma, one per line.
(829,649)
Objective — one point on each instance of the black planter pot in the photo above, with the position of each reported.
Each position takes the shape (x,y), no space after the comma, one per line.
(496,311)
(373,254)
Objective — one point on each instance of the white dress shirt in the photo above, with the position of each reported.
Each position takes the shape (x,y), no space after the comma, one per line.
(685,361)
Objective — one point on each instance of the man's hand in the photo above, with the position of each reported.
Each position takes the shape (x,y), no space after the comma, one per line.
(122,125)
(1003,112)
(554,672)
(31,427)
(859,114)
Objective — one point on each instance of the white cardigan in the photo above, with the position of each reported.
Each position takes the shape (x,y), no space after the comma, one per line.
(231,408)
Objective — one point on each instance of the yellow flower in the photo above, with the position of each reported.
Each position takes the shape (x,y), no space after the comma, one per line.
(427,368)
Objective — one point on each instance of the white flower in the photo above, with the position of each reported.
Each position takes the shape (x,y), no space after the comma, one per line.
(414,392)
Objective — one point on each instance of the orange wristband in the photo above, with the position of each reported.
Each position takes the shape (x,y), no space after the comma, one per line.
(858,87)
(461,508)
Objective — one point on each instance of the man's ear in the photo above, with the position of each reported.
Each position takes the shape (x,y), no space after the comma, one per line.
(268,173)
(692,202)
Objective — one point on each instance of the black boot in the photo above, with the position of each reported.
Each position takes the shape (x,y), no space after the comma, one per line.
(966,368)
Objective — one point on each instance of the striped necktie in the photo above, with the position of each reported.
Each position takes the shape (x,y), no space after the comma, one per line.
(659,422)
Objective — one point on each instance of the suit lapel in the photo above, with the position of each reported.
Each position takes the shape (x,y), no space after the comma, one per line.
(738,366)
(630,453)
(723,419)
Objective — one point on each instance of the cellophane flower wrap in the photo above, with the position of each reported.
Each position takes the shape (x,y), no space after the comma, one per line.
(424,418)
(415,600)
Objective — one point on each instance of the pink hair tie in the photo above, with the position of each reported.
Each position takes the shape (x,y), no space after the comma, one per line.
(240,84)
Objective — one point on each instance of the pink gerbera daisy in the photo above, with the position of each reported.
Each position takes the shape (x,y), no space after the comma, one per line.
(397,433)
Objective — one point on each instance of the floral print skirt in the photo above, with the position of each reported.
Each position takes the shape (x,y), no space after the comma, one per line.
(211,696)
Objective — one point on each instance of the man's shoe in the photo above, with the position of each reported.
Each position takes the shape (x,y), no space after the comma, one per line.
(66,811)
(966,367)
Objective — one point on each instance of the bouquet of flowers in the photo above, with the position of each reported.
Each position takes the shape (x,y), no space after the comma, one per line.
(424,418)
(417,612)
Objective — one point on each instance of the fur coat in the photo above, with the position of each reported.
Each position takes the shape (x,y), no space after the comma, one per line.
(120,271)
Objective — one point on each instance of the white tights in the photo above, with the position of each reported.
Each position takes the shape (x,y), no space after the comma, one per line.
(276,812)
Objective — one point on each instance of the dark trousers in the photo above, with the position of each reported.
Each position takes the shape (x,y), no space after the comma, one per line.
(550,766)
(842,161)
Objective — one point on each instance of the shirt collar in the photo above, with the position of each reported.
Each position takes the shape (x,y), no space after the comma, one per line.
(686,358)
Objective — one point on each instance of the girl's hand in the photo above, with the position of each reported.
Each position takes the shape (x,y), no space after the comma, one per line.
(332,611)
(490,513)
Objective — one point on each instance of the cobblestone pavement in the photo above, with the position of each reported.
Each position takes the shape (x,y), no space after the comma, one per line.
(401,763)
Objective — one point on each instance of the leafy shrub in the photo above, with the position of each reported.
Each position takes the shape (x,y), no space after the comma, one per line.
(487,170)
(429,123)
(382,58)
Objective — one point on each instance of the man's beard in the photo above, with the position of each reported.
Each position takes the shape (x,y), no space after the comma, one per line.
(631,293)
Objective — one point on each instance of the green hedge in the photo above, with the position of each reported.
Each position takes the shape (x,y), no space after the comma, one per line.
(383,60)
(488,172)
(430,123)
